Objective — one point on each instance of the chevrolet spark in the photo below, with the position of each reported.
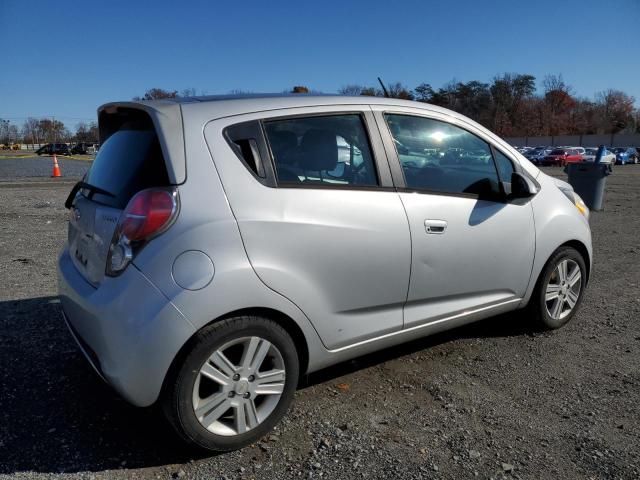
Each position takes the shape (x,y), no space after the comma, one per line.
(221,247)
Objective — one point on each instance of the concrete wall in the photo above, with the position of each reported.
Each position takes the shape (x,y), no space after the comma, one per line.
(619,140)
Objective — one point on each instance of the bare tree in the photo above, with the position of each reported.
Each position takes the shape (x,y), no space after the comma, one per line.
(616,109)
(30,131)
(188,92)
(351,89)
(398,90)
(52,130)
(9,133)
(371,92)
(552,83)
(157,93)
(4,131)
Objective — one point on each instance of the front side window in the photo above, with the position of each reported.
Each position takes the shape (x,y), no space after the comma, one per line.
(438,156)
(321,150)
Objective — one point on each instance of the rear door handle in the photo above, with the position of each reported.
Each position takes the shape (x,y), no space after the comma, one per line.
(437,227)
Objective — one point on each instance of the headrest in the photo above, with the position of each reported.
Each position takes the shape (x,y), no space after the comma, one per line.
(284,145)
(283,140)
(319,150)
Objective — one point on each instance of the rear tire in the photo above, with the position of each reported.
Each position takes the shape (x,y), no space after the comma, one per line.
(559,290)
(234,385)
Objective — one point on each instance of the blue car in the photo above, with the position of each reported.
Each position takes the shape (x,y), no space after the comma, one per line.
(625,155)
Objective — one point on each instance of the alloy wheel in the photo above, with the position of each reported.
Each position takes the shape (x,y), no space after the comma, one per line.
(239,386)
(563,289)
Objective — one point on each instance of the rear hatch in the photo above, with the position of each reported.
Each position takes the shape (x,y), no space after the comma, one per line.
(130,160)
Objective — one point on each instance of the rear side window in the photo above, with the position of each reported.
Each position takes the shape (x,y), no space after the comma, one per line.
(441,157)
(321,150)
(129,160)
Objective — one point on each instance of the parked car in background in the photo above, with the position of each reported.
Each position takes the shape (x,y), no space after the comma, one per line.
(83,148)
(51,148)
(625,155)
(302,236)
(608,156)
(561,156)
(524,150)
(536,154)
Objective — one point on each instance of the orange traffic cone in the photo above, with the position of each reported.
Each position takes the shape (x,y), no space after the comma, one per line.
(56,168)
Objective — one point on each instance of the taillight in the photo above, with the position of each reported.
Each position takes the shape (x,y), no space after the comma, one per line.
(148,214)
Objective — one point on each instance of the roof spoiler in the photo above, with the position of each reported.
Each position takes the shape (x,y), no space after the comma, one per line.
(167,120)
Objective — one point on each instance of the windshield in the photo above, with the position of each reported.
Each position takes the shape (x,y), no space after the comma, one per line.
(557,152)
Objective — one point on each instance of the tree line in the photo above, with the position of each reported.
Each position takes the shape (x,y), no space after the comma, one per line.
(46,130)
(509,105)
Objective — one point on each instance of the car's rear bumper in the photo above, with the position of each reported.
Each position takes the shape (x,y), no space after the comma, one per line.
(128,330)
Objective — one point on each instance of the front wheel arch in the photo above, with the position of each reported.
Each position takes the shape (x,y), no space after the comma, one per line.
(536,307)
(582,250)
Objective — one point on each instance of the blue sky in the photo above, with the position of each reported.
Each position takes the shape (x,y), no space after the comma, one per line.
(65,57)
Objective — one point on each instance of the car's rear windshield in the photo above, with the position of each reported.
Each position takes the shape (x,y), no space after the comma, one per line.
(557,152)
(130,160)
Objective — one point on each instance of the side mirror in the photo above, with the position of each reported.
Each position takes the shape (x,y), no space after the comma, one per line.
(521,186)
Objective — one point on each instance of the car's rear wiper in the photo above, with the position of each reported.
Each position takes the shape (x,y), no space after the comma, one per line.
(92,190)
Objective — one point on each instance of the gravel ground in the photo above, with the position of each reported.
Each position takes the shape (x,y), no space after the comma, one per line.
(490,400)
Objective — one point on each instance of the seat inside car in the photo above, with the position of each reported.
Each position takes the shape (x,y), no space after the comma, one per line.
(318,151)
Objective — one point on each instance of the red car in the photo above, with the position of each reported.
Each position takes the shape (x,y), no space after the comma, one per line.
(561,156)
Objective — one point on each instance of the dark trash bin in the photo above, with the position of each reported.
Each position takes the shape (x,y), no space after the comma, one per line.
(588,180)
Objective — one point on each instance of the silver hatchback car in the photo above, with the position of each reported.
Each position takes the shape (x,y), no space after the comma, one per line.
(221,247)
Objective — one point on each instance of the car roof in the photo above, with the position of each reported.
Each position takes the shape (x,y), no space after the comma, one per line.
(254,102)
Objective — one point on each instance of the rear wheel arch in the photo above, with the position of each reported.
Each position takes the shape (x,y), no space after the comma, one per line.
(286,322)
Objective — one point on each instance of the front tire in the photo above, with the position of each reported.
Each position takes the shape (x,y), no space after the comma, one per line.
(234,385)
(559,290)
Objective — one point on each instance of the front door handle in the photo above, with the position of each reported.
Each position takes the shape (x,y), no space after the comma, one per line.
(437,227)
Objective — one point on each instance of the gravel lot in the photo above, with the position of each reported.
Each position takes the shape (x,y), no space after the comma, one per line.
(490,400)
